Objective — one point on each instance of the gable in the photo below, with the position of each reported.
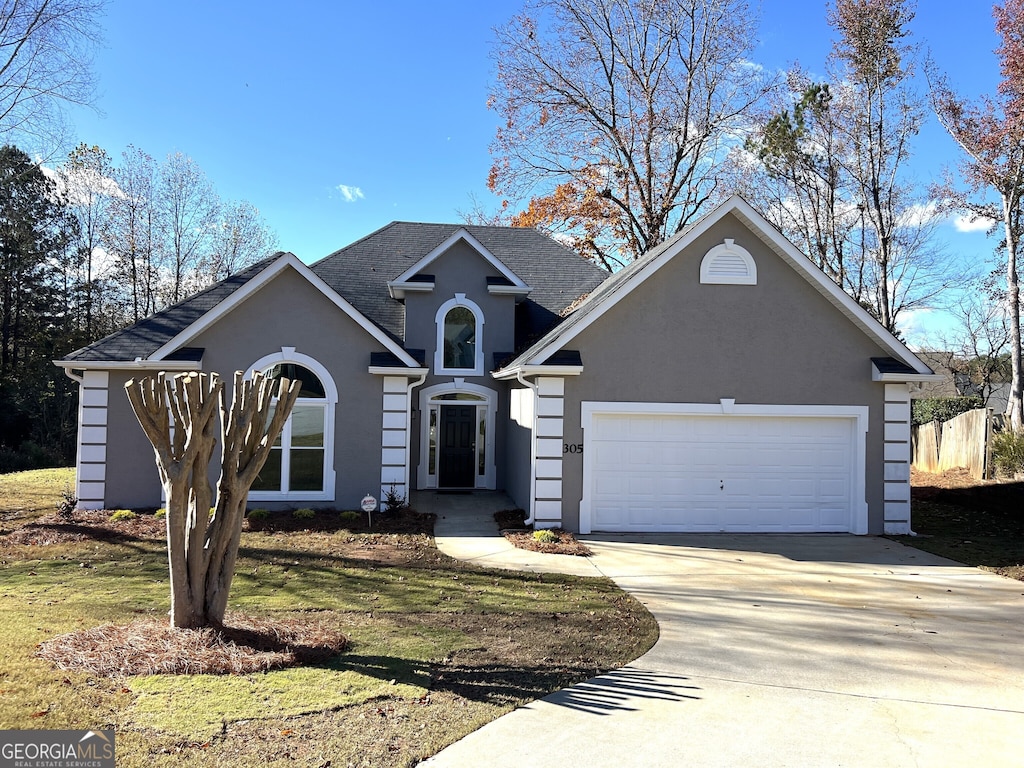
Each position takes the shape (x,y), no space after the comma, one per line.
(747,225)
(778,340)
(461,240)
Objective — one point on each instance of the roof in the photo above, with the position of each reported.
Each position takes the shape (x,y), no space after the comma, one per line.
(622,283)
(359,274)
(149,334)
(361,271)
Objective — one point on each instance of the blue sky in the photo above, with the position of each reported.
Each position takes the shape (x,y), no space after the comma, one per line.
(334,118)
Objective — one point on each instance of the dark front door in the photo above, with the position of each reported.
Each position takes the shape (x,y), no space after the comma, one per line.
(458,446)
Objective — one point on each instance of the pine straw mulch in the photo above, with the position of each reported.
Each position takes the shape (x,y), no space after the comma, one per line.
(81,525)
(512,523)
(246,644)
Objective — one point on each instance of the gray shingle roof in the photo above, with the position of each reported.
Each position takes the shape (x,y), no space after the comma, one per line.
(149,334)
(360,272)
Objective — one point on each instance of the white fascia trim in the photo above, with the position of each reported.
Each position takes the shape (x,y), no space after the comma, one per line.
(461,234)
(397,290)
(774,240)
(508,290)
(384,370)
(537,370)
(128,365)
(900,378)
(256,283)
(727,408)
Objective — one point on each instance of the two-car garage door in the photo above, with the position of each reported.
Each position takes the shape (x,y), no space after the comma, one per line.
(713,472)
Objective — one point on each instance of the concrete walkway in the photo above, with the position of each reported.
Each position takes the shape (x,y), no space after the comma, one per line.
(796,651)
(465,529)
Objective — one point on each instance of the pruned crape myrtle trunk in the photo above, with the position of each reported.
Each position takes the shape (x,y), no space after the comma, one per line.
(178,416)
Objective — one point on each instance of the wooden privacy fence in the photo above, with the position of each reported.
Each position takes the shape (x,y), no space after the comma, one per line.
(959,442)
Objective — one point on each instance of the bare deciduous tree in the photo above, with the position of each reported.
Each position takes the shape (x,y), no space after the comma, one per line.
(991,135)
(618,114)
(187,209)
(833,166)
(46,49)
(178,416)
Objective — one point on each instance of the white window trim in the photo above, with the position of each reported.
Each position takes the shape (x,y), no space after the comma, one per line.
(330,401)
(489,400)
(460,300)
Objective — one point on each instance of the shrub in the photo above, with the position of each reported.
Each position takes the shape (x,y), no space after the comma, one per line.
(122,514)
(160,514)
(258,514)
(348,516)
(304,514)
(393,500)
(545,536)
(1008,453)
(68,504)
(941,408)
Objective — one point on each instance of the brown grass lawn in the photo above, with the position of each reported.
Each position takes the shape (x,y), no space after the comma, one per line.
(436,647)
(978,523)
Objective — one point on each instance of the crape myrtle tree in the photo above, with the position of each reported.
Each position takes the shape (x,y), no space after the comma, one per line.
(179,416)
(990,133)
(617,116)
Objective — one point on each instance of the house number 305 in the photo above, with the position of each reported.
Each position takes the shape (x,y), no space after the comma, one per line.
(573,448)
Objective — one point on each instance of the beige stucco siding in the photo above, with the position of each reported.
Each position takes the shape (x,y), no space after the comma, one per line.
(287,312)
(676,340)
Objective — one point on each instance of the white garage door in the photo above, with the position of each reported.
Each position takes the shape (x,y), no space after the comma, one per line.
(709,473)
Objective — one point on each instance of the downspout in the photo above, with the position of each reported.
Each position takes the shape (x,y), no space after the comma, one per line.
(72,376)
(533,446)
(409,436)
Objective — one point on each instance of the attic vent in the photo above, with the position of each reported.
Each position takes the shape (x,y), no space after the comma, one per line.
(728,264)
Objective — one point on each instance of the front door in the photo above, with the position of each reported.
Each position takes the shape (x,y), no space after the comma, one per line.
(457,447)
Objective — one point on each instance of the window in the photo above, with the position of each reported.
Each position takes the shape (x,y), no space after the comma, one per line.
(299,463)
(459,338)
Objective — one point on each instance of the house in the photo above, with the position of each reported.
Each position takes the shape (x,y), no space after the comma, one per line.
(719,383)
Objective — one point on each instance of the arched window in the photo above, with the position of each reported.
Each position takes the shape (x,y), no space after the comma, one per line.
(459,337)
(300,463)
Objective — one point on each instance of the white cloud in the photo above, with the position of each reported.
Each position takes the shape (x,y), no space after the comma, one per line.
(350,194)
(919,215)
(970,224)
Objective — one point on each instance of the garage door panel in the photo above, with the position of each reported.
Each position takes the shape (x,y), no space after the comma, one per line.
(719,473)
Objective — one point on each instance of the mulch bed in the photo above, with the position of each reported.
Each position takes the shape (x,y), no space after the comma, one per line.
(512,523)
(149,647)
(97,526)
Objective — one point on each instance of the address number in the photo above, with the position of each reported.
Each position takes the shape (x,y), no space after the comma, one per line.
(573,448)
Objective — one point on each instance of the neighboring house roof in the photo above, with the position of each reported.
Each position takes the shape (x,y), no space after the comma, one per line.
(622,283)
(357,277)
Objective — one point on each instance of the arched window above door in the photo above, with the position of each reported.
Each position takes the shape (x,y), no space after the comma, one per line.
(460,325)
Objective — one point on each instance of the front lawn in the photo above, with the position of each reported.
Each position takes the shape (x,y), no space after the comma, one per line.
(438,647)
(975,522)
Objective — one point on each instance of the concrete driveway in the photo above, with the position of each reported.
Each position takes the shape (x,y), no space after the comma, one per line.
(788,651)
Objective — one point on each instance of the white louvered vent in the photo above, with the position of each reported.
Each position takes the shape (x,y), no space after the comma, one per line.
(728,264)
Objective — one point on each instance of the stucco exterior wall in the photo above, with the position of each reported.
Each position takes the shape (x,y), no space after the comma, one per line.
(462,270)
(132,480)
(287,312)
(676,340)
(519,446)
